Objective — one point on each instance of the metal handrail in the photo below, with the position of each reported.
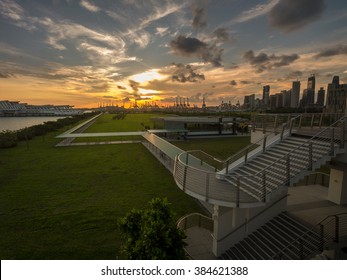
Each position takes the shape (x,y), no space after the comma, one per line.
(253,218)
(314,229)
(260,184)
(182,222)
(250,147)
(243,152)
(300,146)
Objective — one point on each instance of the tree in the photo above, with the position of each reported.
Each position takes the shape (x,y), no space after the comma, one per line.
(152,234)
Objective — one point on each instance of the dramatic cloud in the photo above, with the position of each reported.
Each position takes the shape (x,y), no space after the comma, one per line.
(101,87)
(233,83)
(121,87)
(110,97)
(186,73)
(221,34)
(16,14)
(263,62)
(290,15)
(134,85)
(198,97)
(188,46)
(5,75)
(162,31)
(199,17)
(89,6)
(140,38)
(256,11)
(294,75)
(332,51)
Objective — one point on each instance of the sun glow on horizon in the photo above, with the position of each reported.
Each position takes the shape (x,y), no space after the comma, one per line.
(147,76)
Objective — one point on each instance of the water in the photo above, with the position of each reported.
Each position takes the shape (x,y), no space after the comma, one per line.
(15,123)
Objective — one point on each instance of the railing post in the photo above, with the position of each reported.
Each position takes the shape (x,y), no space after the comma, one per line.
(321,120)
(227,167)
(342,136)
(301,249)
(312,120)
(187,157)
(282,132)
(288,170)
(300,121)
(337,229)
(321,231)
(246,155)
(174,167)
(275,124)
(238,192)
(264,144)
(264,186)
(332,140)
(185,177)
(291,127)
(207,186)
(310,157)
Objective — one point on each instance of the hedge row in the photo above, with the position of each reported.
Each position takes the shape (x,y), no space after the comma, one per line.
(9,139)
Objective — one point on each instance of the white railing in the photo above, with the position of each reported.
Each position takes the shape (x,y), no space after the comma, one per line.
(195,220)
(272,122)
(233,190)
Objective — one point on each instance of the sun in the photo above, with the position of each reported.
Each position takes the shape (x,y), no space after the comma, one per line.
(145,77)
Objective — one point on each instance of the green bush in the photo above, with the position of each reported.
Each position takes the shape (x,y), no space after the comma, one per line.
(8,139)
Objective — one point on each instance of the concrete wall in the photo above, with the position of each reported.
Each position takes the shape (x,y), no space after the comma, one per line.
(338,186)
(231,225)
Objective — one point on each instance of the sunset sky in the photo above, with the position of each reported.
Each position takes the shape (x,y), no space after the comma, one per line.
(83,52)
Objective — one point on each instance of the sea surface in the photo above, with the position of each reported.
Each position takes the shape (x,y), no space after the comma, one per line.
(15,123)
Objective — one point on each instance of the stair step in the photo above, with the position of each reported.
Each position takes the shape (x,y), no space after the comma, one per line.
(246,254)
(262,253)
(280,238)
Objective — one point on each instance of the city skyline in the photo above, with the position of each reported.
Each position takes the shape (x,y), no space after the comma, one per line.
(86,52)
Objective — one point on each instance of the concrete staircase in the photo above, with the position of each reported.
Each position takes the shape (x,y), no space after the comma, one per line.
(282,232)
(282,164)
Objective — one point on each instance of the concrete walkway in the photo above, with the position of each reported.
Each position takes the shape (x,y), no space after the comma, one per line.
(311,204)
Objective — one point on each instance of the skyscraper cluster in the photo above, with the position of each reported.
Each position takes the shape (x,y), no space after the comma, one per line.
(335,103)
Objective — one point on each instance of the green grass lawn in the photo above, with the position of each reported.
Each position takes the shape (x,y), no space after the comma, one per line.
(220,148)
(132,122)
(63,203)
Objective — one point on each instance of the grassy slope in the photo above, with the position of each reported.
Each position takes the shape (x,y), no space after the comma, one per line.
(106,123)
(220,148)
(132,122)
(63,203)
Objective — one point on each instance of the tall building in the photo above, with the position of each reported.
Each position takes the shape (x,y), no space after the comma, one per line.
(249,101)
(303,101)
(266,94)
(320,97)
(336,81)
(311,85)
(286,98)
(336,97)
(294,99)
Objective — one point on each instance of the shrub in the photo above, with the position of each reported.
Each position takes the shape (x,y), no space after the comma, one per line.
(8,139)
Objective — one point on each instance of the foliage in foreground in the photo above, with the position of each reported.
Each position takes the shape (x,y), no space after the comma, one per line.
(152,233)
